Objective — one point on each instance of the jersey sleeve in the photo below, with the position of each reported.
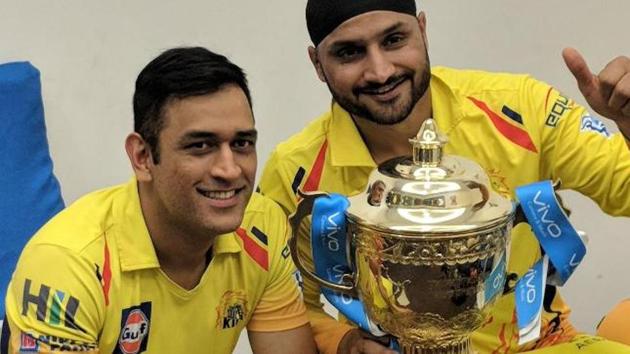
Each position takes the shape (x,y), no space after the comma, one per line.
(579,150)
(276,183)
(281,306)
(54,302)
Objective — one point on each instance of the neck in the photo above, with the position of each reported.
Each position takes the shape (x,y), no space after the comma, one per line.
(182,253)
(388,141)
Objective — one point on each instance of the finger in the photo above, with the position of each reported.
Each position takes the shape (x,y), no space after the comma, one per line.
(370,347)
(384,340)
(577,65)
(625,110)
(620,91)
(612,73)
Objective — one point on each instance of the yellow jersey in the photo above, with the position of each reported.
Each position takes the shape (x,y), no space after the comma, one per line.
(90,281)
(518,129)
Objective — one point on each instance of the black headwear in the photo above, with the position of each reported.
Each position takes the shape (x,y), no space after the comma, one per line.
(323,16)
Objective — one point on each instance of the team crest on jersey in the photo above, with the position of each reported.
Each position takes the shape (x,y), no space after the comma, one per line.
(232,309)
(499,182)
(28,343)
(135,324)
(592,124)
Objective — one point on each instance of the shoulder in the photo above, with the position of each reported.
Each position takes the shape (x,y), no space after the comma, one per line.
(306,142)
(263,210)
(265,218)
(470,82)
(82,223)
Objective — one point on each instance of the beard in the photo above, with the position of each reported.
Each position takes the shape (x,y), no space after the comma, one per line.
(387,113)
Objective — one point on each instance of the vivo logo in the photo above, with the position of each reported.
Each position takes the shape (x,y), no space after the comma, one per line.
(530,295)
(337,273)
(498,280)
(332,232)
(543,209)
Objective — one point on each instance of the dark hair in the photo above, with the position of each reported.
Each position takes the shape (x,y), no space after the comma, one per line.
(179,73)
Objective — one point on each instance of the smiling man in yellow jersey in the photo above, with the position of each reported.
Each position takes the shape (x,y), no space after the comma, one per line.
(372,54)
(182,257)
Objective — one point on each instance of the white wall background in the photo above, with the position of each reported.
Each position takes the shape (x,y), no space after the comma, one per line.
(90,52)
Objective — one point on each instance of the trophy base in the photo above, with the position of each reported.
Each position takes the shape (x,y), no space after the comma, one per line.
(463,347)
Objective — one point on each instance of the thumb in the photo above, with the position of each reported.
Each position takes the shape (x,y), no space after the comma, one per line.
(587,82)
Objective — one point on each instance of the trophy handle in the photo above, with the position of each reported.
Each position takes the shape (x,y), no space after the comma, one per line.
(304,209)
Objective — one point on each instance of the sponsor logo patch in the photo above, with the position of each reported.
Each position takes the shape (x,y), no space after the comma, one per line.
(135,324)
(28,343)
(286,252)
(51,306)
(232,309)
(594,125)
(560,106)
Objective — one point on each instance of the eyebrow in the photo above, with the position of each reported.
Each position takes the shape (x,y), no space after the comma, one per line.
(210,136)
(343,43)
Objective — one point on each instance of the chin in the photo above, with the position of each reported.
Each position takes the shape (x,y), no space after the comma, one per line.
(223,225)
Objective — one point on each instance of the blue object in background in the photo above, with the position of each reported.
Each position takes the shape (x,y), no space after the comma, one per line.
(29,192)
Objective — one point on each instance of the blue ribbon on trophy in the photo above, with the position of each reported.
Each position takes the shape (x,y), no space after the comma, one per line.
(560,243)
(330,257)
(561,246)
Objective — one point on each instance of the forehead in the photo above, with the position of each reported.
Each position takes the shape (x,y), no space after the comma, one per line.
(368,26)
(223,112)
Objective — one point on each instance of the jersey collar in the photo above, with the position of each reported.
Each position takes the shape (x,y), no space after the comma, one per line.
(347,148)
(226,243)
(135,246)
(134,243)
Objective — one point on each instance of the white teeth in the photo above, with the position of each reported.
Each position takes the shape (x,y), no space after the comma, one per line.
(220,195)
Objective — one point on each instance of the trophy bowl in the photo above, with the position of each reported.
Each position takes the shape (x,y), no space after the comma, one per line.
(431,291)
(427,246)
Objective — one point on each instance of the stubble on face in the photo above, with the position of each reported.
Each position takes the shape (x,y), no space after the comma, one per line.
(191,182)
(388,113)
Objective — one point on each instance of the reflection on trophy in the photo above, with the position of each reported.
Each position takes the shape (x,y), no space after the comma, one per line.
(427,244)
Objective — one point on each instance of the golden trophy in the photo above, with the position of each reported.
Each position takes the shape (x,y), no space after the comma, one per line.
(427,244)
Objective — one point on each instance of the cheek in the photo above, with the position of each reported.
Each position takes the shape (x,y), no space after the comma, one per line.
(414,57)
(343,77)
(248,165)
(189,171)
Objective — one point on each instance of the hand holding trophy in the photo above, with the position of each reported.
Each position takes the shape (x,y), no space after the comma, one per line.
(422,254)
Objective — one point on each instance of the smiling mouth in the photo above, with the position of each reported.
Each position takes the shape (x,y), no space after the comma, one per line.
(384,88)
(220,195)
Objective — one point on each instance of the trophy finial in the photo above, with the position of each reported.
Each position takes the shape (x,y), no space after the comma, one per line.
(427,145)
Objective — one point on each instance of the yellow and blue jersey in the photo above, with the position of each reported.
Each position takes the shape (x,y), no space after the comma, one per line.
(90,281)
(518,129)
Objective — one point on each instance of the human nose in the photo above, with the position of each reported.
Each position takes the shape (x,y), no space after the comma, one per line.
(225,165)
(379,67)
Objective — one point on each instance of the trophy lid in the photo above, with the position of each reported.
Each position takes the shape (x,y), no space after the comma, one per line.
(429,192)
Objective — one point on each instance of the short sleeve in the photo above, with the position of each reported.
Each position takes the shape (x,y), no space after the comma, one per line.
(54,302)
(580,150)
(281,306)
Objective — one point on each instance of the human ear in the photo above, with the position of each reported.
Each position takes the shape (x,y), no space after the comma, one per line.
(317,64)
(140,157)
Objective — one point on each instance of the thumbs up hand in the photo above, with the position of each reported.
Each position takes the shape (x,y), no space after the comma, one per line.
(608,93)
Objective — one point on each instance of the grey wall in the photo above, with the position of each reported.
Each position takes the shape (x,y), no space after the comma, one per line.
(89,53)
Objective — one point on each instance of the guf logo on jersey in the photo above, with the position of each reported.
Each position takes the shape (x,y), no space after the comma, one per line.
(28,343)
(134,329)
